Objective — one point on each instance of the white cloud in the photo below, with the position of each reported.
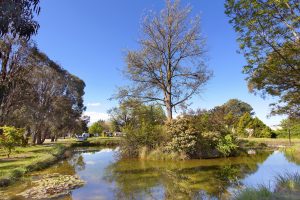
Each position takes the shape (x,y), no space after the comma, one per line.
(94,104)
(95,116)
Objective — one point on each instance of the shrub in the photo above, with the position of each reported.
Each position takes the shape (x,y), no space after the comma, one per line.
(146,136)
(183,137)
(10,137)
(206,144)
(188,140)
(227,145)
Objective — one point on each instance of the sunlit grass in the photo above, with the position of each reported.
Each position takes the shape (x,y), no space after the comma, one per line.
(274,141)
(25,159)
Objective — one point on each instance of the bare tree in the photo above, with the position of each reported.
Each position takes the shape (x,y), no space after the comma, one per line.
(170,66)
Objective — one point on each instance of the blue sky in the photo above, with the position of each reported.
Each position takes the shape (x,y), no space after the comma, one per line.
(89,38)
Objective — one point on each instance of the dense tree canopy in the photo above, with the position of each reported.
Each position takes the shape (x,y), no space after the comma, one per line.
(289,126)
(269,36)
(16,62)
(223,116)
(17,17)
(134,112)
(37,93)
(170,66)
(96,128)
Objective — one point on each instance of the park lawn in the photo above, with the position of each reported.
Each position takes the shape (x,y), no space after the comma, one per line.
(26,159)
(31,158)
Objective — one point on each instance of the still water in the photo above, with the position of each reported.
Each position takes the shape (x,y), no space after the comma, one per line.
(108,177)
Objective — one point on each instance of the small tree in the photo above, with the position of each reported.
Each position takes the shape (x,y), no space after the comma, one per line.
(96,128)
(10,137)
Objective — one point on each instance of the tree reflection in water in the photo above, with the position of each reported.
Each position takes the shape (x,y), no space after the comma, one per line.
(191,179)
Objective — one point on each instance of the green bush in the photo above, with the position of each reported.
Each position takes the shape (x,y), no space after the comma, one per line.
(147,135)
(96,128)
(10,137)
(183,137)
(186,139)
(227,145)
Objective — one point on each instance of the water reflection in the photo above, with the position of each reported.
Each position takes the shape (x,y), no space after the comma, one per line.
(182,180)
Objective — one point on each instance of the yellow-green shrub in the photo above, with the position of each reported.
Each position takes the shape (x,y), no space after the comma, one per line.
(10,137)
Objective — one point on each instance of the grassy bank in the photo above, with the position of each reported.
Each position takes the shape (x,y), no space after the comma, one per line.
(27,159)
(32,158)
(274,142)
(90,142)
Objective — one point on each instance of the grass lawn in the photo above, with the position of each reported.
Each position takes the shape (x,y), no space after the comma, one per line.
(92,140)
(26,159)
(30,158)
(274,141)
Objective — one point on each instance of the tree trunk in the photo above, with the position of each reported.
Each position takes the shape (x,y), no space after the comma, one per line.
(38,138)
(290,137)
(33,137)
(169,107)
(168,104)
(169,113)
(43,138)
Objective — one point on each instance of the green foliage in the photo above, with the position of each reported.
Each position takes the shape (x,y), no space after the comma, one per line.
(96,128)
(142,125)
(202,142)
(223,117)
(183,136)
(292,125)
(37,93)
(253,127)
(10,137)
(17,17)
(244,123)
(259,128)
(146,135)
(237,107)
(268,33)
(227,145)
(133,112)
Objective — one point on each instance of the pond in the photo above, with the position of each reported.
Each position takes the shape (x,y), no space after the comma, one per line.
(107,177)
